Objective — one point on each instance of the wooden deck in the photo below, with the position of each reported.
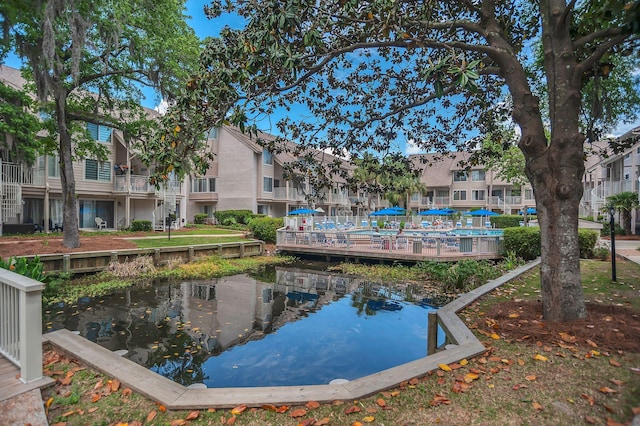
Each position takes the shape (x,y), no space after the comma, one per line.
(10,383)
(388,250)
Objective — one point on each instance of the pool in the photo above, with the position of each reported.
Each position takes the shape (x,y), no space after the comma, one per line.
(300,327)
(420,232)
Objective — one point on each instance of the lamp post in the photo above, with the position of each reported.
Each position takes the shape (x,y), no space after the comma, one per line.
(613,242)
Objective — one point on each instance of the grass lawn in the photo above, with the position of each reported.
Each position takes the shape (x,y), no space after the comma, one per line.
(517,381)
(180,240)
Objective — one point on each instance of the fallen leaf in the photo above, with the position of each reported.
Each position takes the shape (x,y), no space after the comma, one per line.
(381,402)
(356,423)
(591,343)
(531,377)
(68,413)
(444,367)
(98,385)
(440,399)
(114,385)
(95,397)
(616,382)
(92,410)
(231,420)
(537,406)
(539,357)
(126,392)
(567,337)
(611,422)
(614,363)
(312,405)
(162,408)
(514,315)
(152,415)
(299,412)
(323,421)
(239,409)
(368,419)
(605,389)
(178,422)
(464,362)
(192,415)
(269,407)
(282,409)
(470,377)
(352,409)
(590,420)
(588,398)
(307,422)
(414,381)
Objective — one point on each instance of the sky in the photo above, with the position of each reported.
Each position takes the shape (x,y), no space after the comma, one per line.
(205,27)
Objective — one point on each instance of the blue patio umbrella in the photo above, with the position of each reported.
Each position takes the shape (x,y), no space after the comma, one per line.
(432,212)
(302,211)
(398,209)
(390,211)
(530,210)
(483,212)
(449,210)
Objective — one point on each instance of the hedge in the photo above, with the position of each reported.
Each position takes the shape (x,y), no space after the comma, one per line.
(524,242)
(508,220)
(140,225)
(264,228)
(233,217)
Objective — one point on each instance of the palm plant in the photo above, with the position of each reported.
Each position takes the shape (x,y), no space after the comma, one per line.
(625,202)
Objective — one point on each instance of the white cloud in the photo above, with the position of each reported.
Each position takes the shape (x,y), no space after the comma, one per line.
(412,147)
(162,107)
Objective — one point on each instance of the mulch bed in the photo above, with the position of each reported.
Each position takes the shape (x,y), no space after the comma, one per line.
(607,327)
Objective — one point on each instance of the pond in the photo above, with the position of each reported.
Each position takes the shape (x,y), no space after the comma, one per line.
(287,326)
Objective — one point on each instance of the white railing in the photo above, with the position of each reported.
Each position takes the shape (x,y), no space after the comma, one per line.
(21,323)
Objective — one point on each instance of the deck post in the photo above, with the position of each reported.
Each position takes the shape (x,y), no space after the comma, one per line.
(432,332)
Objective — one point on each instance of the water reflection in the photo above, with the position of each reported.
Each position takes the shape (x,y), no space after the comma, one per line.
(305,327)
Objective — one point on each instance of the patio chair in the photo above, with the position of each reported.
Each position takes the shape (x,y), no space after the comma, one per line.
(342,240)
(100,224)
(469,223)
(401,243)
(376,241)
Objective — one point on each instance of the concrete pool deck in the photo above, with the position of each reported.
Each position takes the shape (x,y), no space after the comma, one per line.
(463,344)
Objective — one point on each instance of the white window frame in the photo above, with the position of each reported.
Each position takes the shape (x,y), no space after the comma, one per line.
(476,174)
(103,170)
(267,184)
(460,176)
(478,194)
(460,195)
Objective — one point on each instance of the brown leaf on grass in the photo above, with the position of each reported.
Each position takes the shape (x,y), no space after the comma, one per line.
(269,407)
(381,402)
(539,357)
(368,419)
(178,422)
(459,387)
(161,407)
(614,363)
(606,389)
(239,409)
(591,343)
(531,377)
(617,382)
(231,420)
(371,410)
(438,400)
(312,405)
(590,420)
(298,412)
(68,413)
(356,423)
(152,415)
(307,422)
(611,422)
(519,386)
(192,415)
(537,406)
(126,392)
(589,398)
(95,397)
(98,385)
(114,385)
(322,422)
(92,410)
(282,409)
(414,381)
(352,409)
(59,424)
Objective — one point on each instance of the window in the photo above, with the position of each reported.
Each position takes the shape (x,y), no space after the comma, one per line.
(262,209)
(267,184)
(213,133)
(205,184)
(460,176)
(267,157)
(96,170)
(54,166)
(459,195)
(208,210)
(477,195)
(415,196)
(99,132)
(528,194)
(477,175)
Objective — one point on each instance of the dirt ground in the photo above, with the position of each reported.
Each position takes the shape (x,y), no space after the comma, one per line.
(24,246)
(607,327)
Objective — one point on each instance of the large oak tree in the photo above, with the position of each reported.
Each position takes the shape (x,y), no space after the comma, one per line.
(89,60)
(440,73)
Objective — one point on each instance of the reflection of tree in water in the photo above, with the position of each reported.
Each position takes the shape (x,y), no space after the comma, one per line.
(179,358)
(371,297)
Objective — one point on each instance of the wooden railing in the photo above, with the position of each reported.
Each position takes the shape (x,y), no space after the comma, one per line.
(21,323)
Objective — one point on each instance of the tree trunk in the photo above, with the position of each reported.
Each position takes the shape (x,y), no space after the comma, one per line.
(67,179)
(626,221)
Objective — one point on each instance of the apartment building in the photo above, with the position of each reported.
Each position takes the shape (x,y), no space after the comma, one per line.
(116,190)
(450,185)
(607,174)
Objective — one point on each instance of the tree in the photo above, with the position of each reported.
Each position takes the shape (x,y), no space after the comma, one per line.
(18,125)
(625,202)
(449,71)
(89,60)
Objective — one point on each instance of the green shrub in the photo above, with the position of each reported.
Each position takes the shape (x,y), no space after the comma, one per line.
(200,218)
(601,253)
(140,225)
(459,276)
(523,241)
(31,268)
(240,216)
(507,220)
(265,228)
(587,239)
